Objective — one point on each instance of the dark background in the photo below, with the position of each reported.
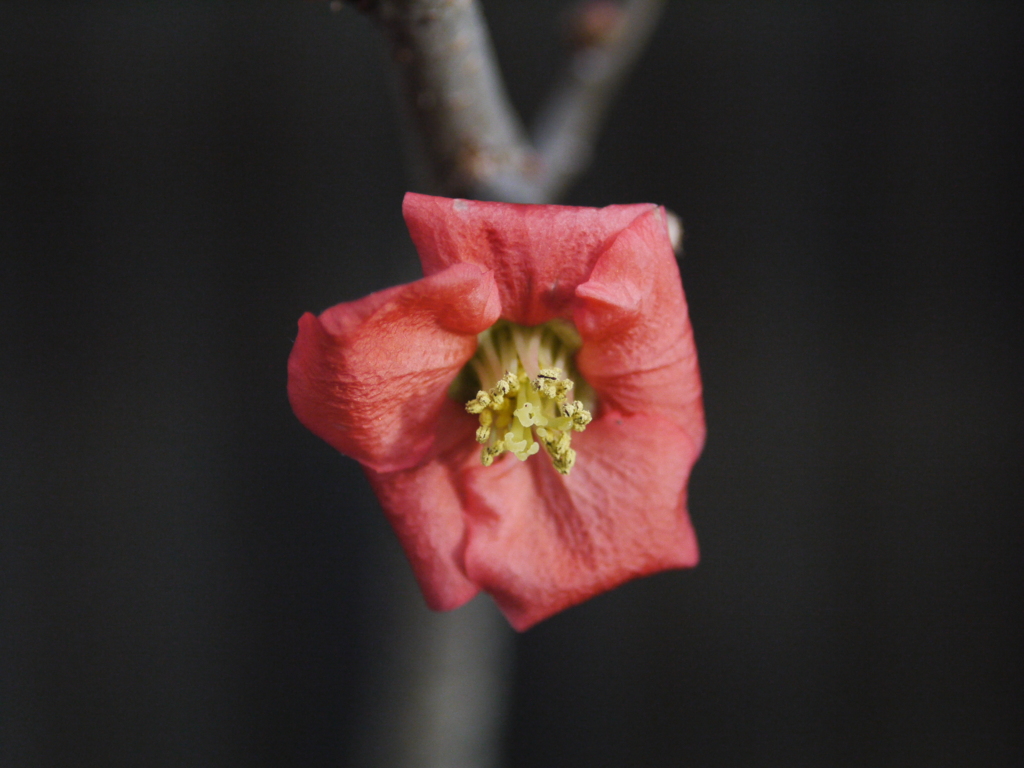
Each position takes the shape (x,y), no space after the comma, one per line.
(189,578)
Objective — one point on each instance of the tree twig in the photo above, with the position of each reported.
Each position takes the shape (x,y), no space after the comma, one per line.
(566,129)
(465,131)
(469,140)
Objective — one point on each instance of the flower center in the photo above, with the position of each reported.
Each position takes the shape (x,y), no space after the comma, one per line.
(530,404)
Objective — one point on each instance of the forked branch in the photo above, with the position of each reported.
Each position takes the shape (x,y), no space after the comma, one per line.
(468,138)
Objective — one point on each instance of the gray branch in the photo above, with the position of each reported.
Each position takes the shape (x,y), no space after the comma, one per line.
(468,139)
(567,128)
(466,135)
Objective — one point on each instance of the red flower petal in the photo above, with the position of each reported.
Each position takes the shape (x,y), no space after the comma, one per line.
(423,506)
(370,377)
(539,253)
(638,352)
(540,542)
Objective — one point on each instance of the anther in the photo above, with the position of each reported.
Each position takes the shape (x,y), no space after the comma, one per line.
(519,414)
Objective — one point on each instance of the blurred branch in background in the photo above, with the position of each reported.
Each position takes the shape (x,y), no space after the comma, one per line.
(607,38)
(467,138)
(442,696)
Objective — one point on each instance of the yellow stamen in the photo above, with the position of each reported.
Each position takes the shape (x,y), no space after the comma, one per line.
(519,414)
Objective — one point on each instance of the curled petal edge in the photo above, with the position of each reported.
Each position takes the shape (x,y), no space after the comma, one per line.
(353,382)
(638,349)
(539,252)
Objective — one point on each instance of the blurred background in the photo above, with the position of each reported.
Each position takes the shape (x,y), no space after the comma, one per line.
(189,578)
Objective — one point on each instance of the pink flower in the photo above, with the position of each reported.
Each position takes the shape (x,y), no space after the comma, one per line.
(560,300)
